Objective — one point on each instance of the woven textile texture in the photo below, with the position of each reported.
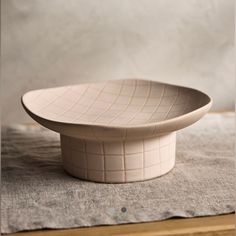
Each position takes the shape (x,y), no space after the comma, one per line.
(37,193)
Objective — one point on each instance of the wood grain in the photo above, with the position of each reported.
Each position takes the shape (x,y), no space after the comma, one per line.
(223,225)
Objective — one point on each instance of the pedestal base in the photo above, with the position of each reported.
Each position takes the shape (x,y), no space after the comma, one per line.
(118,162)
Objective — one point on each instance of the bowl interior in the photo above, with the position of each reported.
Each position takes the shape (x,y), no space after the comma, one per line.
(114,103)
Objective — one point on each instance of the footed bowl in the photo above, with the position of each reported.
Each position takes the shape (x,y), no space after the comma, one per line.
(117,131)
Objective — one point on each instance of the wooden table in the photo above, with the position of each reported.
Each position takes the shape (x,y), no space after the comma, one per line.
(223,225)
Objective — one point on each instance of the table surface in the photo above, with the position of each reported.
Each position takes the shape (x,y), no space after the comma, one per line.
(222,225)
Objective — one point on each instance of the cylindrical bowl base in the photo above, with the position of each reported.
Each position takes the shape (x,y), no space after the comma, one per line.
(119,161)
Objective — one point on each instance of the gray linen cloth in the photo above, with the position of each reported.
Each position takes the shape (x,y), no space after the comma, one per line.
(37,193)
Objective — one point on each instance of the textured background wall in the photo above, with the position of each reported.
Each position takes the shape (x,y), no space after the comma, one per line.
(58,42)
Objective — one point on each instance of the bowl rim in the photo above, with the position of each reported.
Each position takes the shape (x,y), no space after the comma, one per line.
(206,107)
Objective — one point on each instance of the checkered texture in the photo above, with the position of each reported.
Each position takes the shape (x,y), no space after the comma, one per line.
(114,103)
(118,130)
(125,161)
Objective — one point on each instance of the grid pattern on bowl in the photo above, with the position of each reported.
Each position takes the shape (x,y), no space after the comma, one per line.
(123,161)
(118,102)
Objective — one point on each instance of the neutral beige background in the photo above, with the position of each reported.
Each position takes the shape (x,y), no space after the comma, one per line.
(58,42)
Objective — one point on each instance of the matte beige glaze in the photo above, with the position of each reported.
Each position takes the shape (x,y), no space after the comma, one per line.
(120,130)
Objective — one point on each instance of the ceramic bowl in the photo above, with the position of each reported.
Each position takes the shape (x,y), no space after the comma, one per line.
(120,130)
